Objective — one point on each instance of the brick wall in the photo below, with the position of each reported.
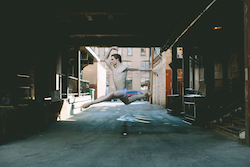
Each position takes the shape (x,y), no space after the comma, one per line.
(159,83)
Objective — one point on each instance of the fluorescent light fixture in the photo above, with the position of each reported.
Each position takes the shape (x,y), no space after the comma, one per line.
(23,75)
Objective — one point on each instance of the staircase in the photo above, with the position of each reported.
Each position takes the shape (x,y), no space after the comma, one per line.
(232,123)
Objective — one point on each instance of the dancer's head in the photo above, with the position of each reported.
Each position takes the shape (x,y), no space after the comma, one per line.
(117,56)
(116,59)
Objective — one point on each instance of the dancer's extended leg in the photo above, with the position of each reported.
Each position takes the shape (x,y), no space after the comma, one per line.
(136,97)
(116,94)
(100,99)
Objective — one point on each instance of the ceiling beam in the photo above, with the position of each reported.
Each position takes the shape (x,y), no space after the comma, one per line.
(102,35)
(93,13)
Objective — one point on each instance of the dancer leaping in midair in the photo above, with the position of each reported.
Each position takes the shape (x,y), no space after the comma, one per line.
(119,76)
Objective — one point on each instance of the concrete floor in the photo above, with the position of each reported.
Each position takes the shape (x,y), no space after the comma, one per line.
(113,134)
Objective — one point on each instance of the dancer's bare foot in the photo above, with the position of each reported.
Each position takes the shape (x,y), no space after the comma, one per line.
(86,105)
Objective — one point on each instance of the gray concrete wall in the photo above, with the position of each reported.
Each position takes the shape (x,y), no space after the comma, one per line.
(73,106)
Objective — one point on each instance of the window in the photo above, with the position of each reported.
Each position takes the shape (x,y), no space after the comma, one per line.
(194,72)
(97,51)
(145,64)
(106,50)
(120,51)
(156,51)
(144,84)
(129,63)
(24,88)
(129,51)
(129,83)
(107,85)
(179,53)
(143,52)
(107,82)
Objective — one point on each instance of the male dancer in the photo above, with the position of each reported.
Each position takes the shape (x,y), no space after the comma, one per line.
(119,76)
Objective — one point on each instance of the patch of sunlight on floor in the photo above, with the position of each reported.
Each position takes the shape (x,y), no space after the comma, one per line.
(142,117)
(142,121)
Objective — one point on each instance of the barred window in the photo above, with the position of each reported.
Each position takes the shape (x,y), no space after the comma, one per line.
(145,64)
(129,83)
(143,52)
(145,83)
(129,51)
(129,63)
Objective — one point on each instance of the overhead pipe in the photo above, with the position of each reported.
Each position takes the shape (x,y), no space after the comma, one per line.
(190,25)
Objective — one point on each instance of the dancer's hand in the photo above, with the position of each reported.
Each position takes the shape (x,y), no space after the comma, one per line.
(154,72)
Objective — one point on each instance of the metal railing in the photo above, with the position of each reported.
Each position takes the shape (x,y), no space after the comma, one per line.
(73,86)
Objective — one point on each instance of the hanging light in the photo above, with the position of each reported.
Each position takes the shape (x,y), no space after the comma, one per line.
(217,28)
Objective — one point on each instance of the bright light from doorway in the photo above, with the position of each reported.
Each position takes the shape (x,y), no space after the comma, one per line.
(93,53)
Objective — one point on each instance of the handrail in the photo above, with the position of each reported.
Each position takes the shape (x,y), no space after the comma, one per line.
(71,77)
(72,85)
(77,79)
(231,104)
(77,93)
(62,74)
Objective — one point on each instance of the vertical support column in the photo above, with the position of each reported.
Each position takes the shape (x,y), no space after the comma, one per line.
(193,64)
(58,72)
(79,72)
(174,70)
(65,80)
(186,75)
(183,80)
(209,78)
(151,77)
(247,67)
(43,77)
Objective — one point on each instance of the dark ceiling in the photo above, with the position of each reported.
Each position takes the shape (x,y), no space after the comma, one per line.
(106,23)
(128,23)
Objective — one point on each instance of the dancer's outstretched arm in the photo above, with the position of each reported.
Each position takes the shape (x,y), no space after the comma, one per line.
(106,58)
(141,69)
